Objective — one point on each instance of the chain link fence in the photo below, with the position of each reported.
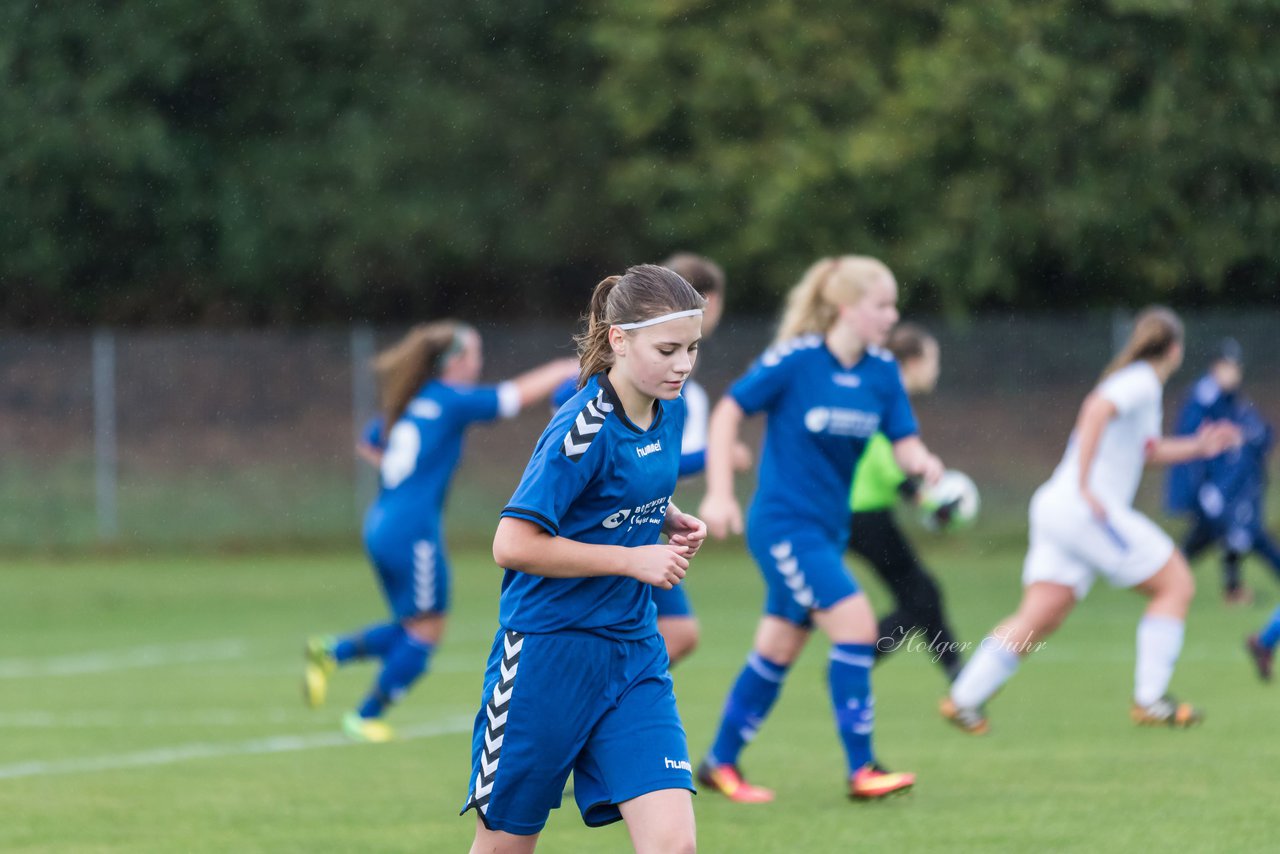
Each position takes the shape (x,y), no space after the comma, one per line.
(142,439)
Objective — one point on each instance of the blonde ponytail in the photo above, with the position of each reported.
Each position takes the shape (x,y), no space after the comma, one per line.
(813,304)
(1155,330)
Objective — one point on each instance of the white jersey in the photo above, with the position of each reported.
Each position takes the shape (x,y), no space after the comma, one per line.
(1137,394)
(697,411)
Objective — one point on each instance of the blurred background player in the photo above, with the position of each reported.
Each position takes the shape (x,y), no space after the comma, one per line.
(1083,524)
(878,483)
(372,442)
(676,619)
(826,388)
(578,679)
(1262,646)
(1224,496)
(426,382)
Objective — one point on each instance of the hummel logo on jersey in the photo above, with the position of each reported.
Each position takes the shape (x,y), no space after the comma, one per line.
(648,449)
(585,427)
(681,765)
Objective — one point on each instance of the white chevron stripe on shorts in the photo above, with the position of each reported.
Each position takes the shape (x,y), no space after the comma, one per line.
(496,711)
(792,576)
(424,575)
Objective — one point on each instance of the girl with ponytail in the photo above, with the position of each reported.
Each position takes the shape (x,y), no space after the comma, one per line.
(1083,525)
(429,399)
(577,678)
(826,388)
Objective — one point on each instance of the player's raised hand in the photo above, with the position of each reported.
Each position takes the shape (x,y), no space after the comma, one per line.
(662,565)
(685,529)
(722,515)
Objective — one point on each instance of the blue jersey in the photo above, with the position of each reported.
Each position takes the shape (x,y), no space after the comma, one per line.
(595,477)
(693,444)
(819,417)
(422,451)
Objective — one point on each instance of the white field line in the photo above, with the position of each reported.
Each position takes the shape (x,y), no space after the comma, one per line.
(204,750)
(107,719)
(122,659)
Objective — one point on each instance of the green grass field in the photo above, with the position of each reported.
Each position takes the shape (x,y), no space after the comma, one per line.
(151,704)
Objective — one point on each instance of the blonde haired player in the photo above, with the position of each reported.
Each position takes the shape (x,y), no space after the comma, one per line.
(827,388)
(1083,525)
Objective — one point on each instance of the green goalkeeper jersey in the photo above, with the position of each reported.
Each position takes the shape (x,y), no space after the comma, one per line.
(877,478)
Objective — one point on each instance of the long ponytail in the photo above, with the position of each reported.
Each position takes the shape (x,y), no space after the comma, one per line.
(404,367)
(1155,331)
(594,353)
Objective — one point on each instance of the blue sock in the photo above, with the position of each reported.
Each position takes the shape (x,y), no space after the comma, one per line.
(401,668)
(1271,634)
(746,707)
(849,674)
(369,641)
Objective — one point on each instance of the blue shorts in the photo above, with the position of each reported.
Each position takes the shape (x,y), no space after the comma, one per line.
(414,575)
(673,602)
(572,701)
(803,572)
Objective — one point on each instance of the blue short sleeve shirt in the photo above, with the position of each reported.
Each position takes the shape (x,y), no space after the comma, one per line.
(820,415)
(594,477)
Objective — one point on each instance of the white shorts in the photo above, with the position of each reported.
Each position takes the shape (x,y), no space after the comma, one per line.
(1071,546)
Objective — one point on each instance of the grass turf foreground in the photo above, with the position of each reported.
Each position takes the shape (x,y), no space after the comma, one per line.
(151,705)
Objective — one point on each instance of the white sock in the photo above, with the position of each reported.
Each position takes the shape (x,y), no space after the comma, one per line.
(990,667)
(1159,643)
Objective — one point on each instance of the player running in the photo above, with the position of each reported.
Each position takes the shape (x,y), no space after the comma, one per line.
(826,388)
(577,679)
(1083,525)
(429,397)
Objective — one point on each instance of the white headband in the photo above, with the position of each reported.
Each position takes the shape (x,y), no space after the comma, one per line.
(653,321)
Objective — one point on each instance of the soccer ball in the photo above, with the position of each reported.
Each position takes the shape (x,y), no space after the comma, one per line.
(951,503)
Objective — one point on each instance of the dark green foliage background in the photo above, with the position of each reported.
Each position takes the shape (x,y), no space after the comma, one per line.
(312,160)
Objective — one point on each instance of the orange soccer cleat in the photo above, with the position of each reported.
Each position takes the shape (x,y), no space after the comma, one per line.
(1166,712)
(972,721)
(871,781)
(728,781)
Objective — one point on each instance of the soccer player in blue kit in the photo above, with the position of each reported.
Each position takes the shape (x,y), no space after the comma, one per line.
(676,619)
(577,679)
(826,387)
(429,396)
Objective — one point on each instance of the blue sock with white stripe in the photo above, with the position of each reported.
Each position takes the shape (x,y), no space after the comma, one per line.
(746,707)
(402,667)
(849,674)
(1271,634)
(374,640)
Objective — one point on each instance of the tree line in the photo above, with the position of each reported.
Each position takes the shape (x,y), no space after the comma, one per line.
(301,161)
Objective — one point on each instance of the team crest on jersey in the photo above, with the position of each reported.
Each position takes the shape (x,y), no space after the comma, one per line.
(585,427)
(616,519)
(841,422)
(425,407)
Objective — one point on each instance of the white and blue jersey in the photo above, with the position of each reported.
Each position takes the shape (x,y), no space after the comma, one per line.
(402,528)
(820,416)
(595,477)
(577,677)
